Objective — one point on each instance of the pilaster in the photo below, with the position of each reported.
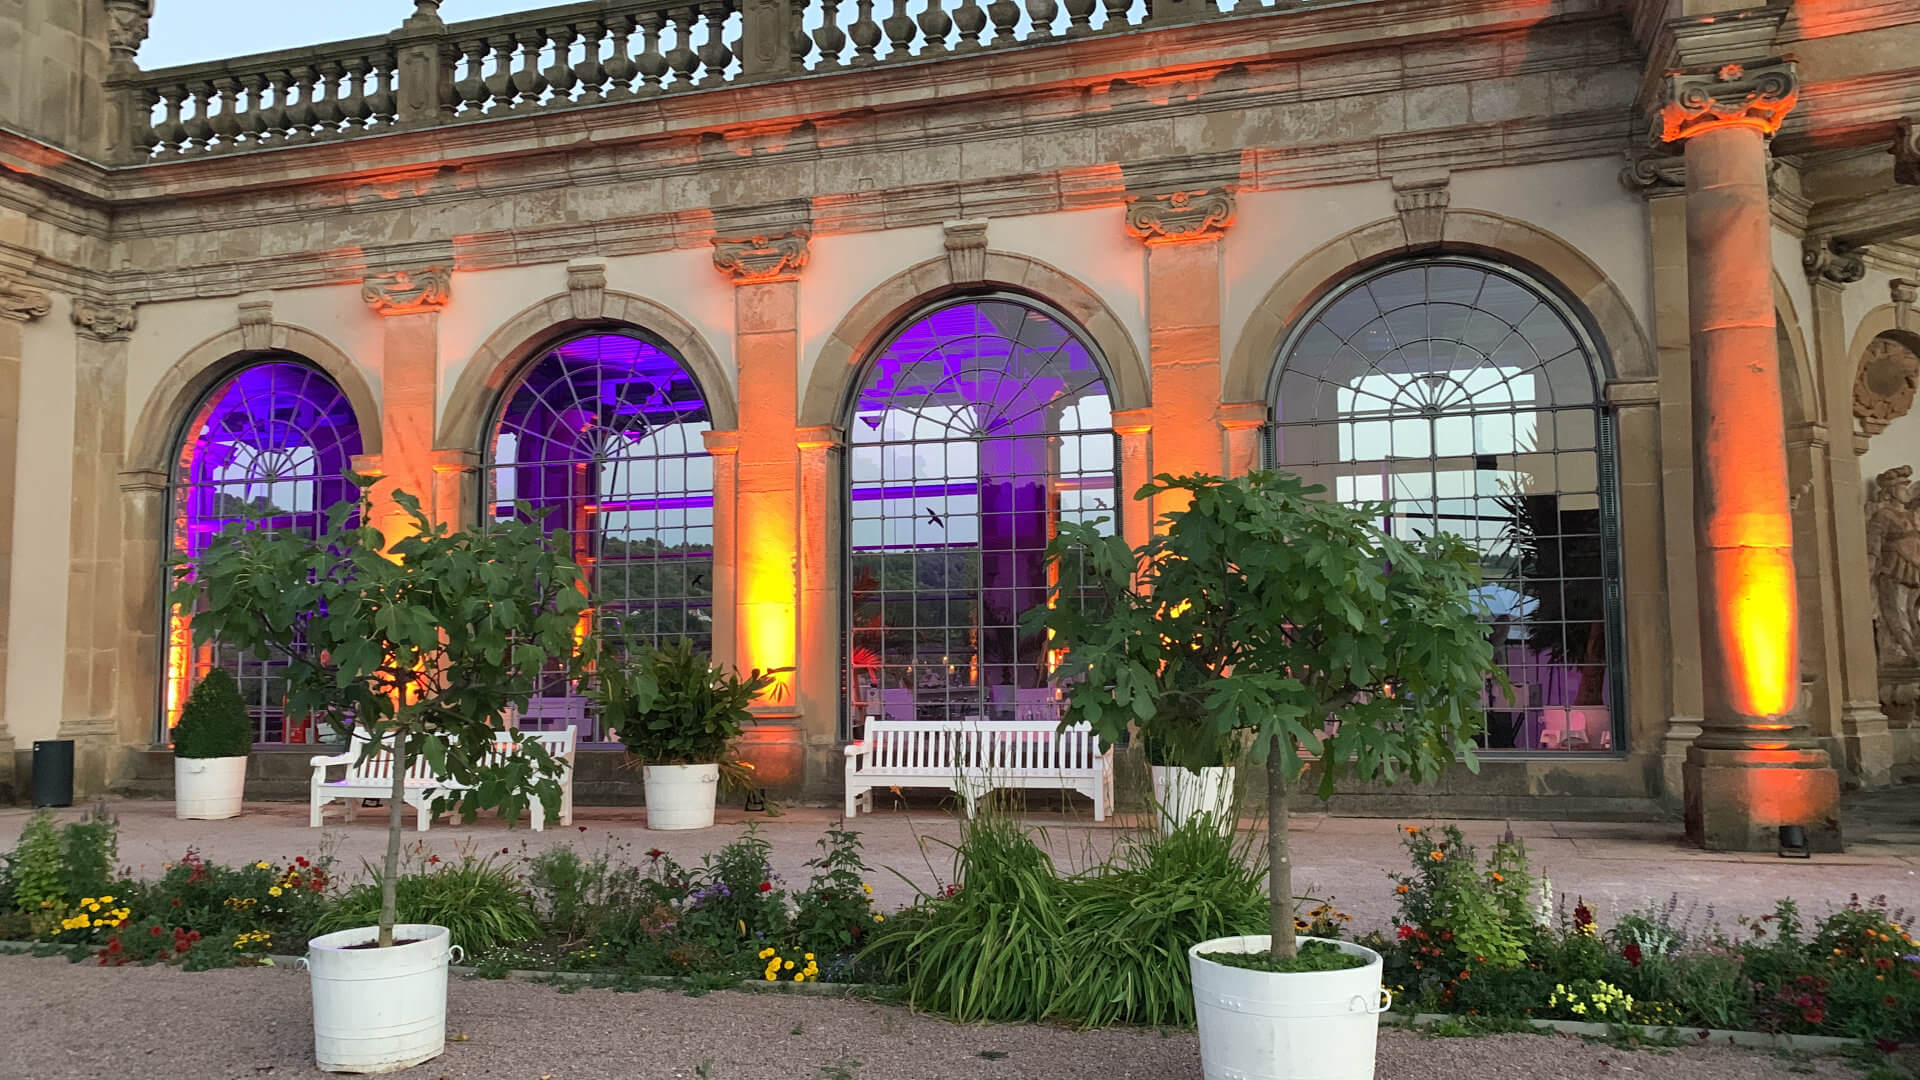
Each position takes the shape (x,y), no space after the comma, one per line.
(409,303)
(1240,424)
(20,303)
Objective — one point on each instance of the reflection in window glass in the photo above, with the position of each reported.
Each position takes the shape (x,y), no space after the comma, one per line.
(977,429)
(1467,399)
(274,442)
(602,441)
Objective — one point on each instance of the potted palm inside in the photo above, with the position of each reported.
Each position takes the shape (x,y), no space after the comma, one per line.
(422,646)
(678,713)
(210,747)
(1265,613)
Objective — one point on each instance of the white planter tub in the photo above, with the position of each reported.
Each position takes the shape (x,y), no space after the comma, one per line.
(681,796)
(379,1010)
(207,789)
(1180,794)
(1265,1025)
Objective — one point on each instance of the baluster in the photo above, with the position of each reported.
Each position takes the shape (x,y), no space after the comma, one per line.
(273,117)
(1005,15)
(300,109)
(172,134)
(589,72)
(250,121)
(1080,14)
(865,34)
(971,18)
(382,106)
(934,24)
(326,106)
(500,81)
(828,36)
(560,77)
(1042,13)
(681,58)
(199,129)
(226,125)
(900,31)
(355,108)
(620,67)
(145,136)
(653,62)
(799,44)
(472,87)
(714,55)
(528,81)
(1116,14)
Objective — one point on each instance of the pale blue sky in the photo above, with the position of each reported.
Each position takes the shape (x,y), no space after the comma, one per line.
(188,31)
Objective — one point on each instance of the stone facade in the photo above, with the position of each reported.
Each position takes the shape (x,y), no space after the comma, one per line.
(1183,188)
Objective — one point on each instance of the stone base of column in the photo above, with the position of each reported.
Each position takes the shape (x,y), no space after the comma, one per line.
(776,748)
(1866,743)
(1681,731)
(1736,800)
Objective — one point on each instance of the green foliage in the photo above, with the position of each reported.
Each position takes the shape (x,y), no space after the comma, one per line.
(1313,956)
(34,868)
(1468,916)
(89,853)
(476,898)
(214,723)
(835,912)
(674,706)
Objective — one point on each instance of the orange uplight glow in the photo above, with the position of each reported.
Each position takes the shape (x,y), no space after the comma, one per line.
(1758,620)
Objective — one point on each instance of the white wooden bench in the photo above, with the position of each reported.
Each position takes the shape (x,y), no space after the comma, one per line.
(371,777)
(975,757)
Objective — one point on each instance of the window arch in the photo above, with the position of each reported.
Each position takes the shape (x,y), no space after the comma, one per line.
(977,426)
(275,439)
(601,437)
(1468,396)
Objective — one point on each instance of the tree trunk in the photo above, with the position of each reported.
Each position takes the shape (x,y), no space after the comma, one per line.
(396,820)
(1279,853)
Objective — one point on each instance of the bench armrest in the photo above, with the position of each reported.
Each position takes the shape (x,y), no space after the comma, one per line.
(321,761)
(857,749)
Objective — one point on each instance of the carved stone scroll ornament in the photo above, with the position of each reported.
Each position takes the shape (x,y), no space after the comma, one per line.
(22,302)
(1654,174)
(108,322)
(1760,94)
(761,258)
(1180,215)
(408,292)
(1834,261)
(1884,387)
(1893,563)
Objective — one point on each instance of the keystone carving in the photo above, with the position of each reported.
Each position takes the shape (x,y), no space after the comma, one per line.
(761,258)
(256,325)
(1834,261)
(1906,152)
(587,288)
(22,302)
(408,292)
(1884,387)
(1422,206)
(1180,215)
(108,322)
(1759,95)
(967,251)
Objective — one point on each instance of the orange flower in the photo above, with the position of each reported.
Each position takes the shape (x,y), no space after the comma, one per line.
(1497,877)
(1437,856)
(1413,830)
(1402,890)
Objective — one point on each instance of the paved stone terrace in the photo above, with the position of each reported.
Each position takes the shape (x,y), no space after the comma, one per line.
(1613,866)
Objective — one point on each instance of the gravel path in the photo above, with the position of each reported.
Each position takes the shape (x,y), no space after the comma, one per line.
(78,1021)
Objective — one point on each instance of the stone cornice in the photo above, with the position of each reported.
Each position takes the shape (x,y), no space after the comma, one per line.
(104,321)
(757,259)
(408,292)
(21,302)
(1757,94)
(1181,216)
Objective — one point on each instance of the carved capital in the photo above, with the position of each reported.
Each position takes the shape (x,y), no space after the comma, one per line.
(256,324)
(107,322)
(1654,174)
(762,258)
(1834,262)
(1884,386)
(1179,216)
(587,288)
(966,250)
(409,292)
(21,302)
(1757,95)
(127,28)
(1422,206)
(1906,152)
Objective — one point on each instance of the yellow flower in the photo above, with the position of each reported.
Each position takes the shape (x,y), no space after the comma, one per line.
(261,866)
(789,965)
(274,891)
(868,888)
(106,899)
(771,977)
(879,918)
(764,953)
(800,977)
(809,956)
(87,900)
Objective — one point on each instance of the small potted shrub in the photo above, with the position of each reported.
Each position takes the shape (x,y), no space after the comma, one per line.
(423,644)
(1268,614)
(210,747)
(1180,792)
(677,712)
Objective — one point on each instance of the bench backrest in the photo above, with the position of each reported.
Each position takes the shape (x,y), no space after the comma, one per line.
(943,748)
(379,767)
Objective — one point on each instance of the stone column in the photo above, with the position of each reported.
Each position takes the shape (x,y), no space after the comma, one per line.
(1134,427)
(1754,766)
(19,304)
(143,505)
(409,303)
(725,448)
(456,494)
(765,532)
(818,689)
(90,713)
(1240,425)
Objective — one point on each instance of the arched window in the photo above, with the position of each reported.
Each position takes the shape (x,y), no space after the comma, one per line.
(273,441)
(601,438)
(1468,397)
(978,426)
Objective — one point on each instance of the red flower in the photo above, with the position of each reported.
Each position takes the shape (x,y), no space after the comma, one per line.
(113,946)
(1582,916)
(301,861)
(431,859)
(1405,931)
(1885,1046)
(154,930)
(654,854)
(1813,1016)
(766,886)
(1632,954)
(583,828)
(176,901)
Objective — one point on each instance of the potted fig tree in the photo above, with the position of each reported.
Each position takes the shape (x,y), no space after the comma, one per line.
(678,713)
(422,645)
(1266,613)
(210,747)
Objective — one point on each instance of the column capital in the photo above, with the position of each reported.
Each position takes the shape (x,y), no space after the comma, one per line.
(722,443)
(1184,216)
(1832,261)
(1651,173)
(409,292)
(104,321)
(21,302)
(753,260)
(143,481)
(126,29)
(1633,392)
(1132,421)
(1240,415)
(820,437)
(454,461)
(1756,94)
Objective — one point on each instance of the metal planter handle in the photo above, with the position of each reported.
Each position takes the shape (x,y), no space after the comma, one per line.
(1359,1003)
(456,955)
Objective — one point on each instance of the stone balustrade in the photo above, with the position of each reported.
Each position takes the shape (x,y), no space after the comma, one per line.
(430,73)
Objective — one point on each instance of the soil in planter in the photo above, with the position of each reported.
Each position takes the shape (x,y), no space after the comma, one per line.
(397,942)
(1314,956)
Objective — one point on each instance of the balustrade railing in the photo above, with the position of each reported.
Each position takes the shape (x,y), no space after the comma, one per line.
(430,73)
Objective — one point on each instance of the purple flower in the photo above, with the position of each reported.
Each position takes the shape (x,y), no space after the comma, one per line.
(1912,958)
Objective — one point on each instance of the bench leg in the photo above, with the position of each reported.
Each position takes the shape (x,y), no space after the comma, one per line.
(536,814)
(317,809)
(566,801)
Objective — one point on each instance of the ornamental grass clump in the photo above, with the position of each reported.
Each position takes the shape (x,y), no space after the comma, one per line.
(477,898)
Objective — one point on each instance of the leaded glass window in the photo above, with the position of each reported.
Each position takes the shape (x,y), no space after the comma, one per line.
(273,442)
(977,427)
(1467,396)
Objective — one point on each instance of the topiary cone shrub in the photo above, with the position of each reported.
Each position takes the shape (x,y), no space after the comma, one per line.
(214,723)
